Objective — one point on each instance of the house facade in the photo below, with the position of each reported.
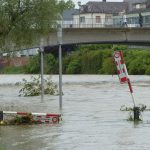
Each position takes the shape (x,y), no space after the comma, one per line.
(98,14)
(136,7)
(110,14)
(68,18)
(137,4)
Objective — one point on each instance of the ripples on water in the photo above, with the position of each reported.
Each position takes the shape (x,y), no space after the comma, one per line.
(91,116)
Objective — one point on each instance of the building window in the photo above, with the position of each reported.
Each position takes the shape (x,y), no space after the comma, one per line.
(98,19)
(139,6)
(108,19)
(147,19)
(82,19)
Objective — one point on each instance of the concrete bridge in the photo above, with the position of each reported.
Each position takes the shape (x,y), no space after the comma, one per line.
(134,36)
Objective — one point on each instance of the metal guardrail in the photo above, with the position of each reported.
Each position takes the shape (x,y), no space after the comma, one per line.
(105,23)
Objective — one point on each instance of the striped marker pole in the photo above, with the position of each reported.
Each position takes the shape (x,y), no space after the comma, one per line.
(122,71)
(124,78)
(128,79)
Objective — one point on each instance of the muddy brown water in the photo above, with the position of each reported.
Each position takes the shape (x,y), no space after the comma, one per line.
(91,115)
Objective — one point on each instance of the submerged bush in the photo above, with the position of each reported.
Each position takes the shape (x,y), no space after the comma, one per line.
(33,88)
(131,117)
(142,108)
(131,110)
(20,120)
(27,119)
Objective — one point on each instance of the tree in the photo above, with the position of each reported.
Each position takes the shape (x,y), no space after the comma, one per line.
(22,21)
(65,5)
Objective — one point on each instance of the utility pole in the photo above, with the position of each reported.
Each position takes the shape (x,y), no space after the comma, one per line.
(59,36)
(79,4)
(42,70)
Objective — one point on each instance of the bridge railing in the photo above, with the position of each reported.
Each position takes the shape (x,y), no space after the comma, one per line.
(104,22)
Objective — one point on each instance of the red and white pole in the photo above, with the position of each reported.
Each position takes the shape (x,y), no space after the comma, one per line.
(124,78)
(122,71)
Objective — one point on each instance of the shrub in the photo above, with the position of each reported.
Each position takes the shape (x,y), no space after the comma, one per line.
(50,64)
(108,66)
(33,65)
(74,67)
(12,70)
(33,88)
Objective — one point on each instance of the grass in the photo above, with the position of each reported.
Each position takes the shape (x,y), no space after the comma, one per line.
(12,70)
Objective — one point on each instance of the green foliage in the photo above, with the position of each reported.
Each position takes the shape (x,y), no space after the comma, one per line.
(147,72)
(33,65)
(91,60)
(50,64)
(33,88)
(142,107)
(120,47)
(95,47)
(65,5)
(136,67)
(22,21)
(22,120)
(107,67)
(66,61)
(12,70)
(74,67)
(138,61)
(131,117)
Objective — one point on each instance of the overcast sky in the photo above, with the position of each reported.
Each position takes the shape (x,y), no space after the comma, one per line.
(85,1)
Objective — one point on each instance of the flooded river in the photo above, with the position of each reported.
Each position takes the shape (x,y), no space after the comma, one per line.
(91,115)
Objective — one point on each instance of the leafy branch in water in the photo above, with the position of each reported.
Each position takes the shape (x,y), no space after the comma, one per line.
(131,110)
(131,117)
(142,108)
(33,87)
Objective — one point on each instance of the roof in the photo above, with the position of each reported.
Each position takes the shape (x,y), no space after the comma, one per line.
(136,1)
(104,7)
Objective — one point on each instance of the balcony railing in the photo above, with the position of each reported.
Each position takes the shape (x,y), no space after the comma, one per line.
(105,23)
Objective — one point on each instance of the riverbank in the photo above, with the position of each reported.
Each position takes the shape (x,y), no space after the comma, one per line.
(94,59)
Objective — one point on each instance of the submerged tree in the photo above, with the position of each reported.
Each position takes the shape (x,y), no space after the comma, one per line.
(22,21)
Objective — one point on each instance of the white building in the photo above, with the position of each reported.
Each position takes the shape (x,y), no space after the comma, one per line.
(98,14)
